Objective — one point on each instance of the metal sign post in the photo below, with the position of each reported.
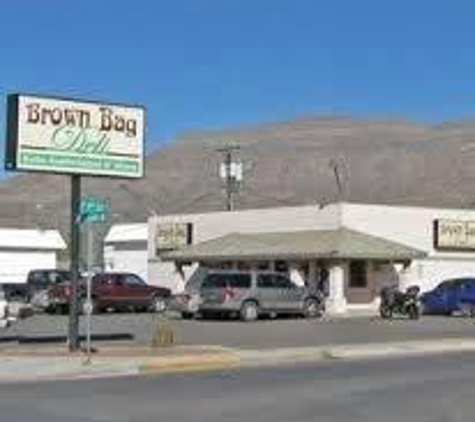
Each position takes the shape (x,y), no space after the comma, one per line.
(93,210)
(88,307)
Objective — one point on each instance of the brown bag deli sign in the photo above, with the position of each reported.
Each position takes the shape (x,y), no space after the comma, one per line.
(47,134)
(455,235)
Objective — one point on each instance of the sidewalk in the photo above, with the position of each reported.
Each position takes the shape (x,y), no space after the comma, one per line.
(17,365)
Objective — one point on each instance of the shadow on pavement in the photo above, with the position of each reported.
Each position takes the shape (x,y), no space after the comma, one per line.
(62,339)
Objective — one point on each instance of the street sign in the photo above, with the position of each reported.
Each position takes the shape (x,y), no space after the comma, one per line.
(94,210)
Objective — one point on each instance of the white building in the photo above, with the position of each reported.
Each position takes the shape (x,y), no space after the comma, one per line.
(361,246)
(22,250)
(125,249)
(358,247)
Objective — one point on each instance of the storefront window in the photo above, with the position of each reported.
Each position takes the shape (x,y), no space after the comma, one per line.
(282,266)
(243,266)
(358,274)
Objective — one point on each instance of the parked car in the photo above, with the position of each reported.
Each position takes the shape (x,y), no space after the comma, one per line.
(456,295)
(39,281)
(250,294)
(117,291)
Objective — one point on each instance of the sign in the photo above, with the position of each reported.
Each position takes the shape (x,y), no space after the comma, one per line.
(74,137)
(173,235)
(454,235)
(94,210)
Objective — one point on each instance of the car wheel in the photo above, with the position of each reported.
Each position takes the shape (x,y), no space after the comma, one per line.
(249,311)
(312,308)
(385,312)
(414,312)
(158,305)
(187,315)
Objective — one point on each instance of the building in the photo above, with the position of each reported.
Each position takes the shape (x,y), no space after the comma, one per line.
(125,249)
(22,250)
(350,249)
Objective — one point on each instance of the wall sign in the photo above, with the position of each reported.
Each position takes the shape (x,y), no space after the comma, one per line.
(74,137)
(173,235)
(454,235)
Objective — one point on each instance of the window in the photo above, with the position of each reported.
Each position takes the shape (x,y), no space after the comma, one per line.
(220,281)
(281,266)
(133,280)
(263,266)
(214,281)
(282,282)
(265,281)
(358,274)
(274,281)
(107,279)
(240,281)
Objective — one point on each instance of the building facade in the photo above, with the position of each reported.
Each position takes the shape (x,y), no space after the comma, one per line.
(23,250)
(125,249)
(348,250)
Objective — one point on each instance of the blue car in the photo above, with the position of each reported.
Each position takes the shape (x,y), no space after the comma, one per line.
(456,295)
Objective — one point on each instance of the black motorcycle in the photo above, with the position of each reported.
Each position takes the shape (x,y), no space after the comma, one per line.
(394,302)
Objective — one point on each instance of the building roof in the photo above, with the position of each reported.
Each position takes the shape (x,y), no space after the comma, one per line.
(127,233)
(341,243)
(31,239)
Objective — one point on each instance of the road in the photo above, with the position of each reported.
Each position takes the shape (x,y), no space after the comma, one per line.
(263,334)
(418,389)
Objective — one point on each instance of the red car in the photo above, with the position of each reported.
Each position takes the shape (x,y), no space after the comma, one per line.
(124,291)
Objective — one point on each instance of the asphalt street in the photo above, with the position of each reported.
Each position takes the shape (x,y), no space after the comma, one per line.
(426,389)
(138,328)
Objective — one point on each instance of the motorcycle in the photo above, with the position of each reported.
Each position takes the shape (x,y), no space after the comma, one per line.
(395,302)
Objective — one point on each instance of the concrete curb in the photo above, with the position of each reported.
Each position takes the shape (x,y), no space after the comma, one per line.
(254,358)
(28,368)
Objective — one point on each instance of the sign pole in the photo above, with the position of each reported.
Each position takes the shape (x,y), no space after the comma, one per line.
(90,256)
(73,333)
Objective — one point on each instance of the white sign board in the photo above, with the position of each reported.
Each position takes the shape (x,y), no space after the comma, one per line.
(173,235)
(75,137)
(454,235)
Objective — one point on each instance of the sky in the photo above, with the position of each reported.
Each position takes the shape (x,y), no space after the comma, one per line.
(214,64)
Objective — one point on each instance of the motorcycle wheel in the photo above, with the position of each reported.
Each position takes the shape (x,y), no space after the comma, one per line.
(414,312)
(385,312)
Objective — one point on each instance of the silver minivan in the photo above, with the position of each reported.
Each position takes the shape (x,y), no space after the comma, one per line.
(250,294)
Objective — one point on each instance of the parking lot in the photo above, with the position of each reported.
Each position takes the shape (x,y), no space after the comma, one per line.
(288,332)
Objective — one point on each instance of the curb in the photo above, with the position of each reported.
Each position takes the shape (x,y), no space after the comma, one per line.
(28,369)
(211,362)
(257,358)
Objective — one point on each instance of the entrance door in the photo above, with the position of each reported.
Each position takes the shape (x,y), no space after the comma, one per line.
(360,285)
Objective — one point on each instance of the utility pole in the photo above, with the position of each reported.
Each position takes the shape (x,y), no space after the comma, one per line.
(335,166)
(231,173)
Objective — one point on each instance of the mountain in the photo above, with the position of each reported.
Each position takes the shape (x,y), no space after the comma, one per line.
(290,163)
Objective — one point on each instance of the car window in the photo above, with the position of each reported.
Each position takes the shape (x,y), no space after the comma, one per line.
(265,281)
(48,278)
(444,285)
(282,282)
(107,279)
(239,281)
(214,281)
(133,280)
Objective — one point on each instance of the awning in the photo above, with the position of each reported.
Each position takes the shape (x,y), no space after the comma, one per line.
(342,243)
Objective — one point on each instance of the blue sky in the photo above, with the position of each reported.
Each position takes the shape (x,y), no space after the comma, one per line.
(204,64)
